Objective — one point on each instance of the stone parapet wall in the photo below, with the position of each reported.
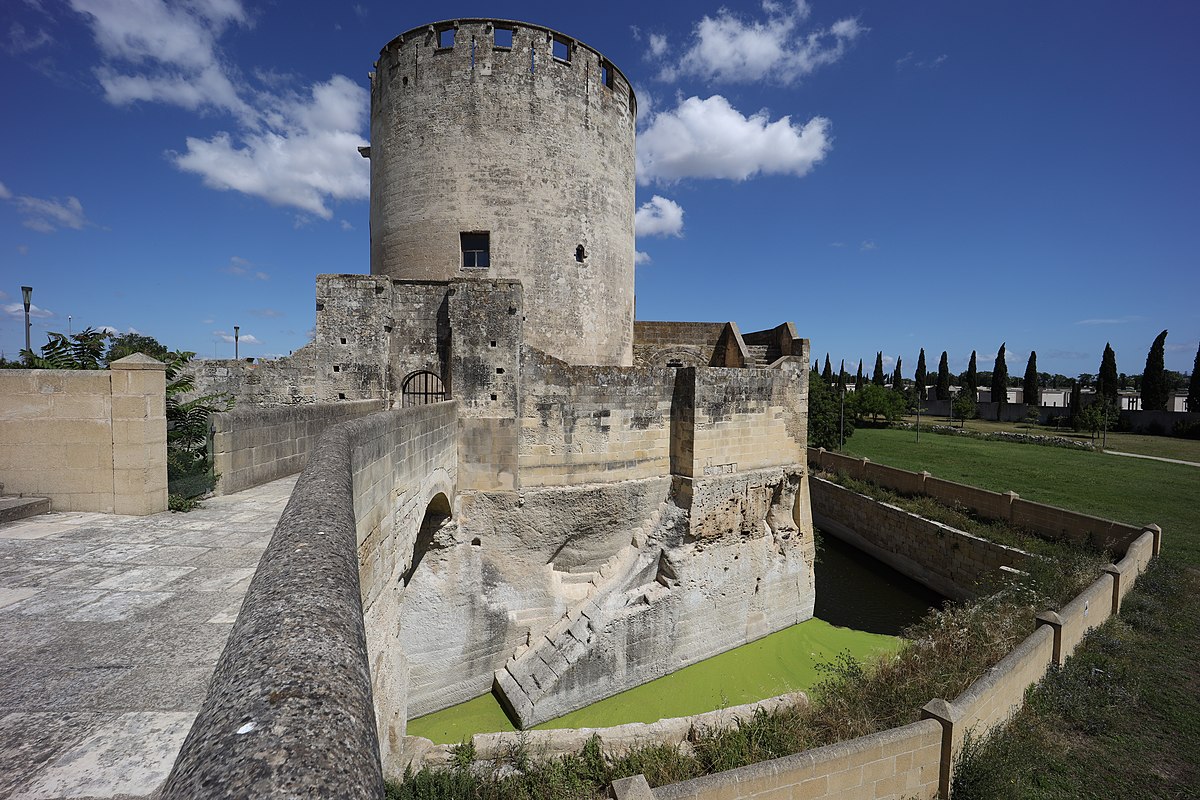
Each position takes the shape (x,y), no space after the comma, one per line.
(686,344)
(257,444)
(89,440)
(952,562)
(1048,521)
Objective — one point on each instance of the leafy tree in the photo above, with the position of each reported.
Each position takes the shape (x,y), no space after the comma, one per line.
(877,378)
(858,379)
(876,401)
(825,415)
(943,378)
(921,375)
(1030,383)
(970,378)
(1101,415)
(1000,382)
(827,375)
(83,350)
(1155,389)
(129,343)
(964,406)
(1193,398)
(1107,382)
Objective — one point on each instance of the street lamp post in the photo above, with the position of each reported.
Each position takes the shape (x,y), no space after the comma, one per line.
(236,329)
(26,294)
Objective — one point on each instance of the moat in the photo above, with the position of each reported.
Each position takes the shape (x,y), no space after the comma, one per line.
(862,608)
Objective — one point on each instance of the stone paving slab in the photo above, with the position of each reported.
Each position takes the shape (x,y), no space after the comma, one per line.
(110,628)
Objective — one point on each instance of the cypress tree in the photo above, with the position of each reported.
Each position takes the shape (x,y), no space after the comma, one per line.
(1030,384)
(1154,380)
(1000,382)
(877,378)
(1106,381)
(1193,398)
(943,378)
(827,373)
(858,379)
(1076,407)
(921,375)
(971,381)
(897,380)
(841,383)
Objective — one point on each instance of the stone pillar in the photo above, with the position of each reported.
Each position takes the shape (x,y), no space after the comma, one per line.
(1157,531)
(1055,622)
(949,717)
(139,431)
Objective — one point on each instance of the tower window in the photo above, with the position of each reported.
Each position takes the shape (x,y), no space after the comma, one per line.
(580,254)
(562,49)
(476,251)
(446,39)
(503,38)
(606,74)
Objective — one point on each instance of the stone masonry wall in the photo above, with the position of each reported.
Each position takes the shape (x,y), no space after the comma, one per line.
(679,344)
(255,445)
(951,562)
(593,424)
(89,440)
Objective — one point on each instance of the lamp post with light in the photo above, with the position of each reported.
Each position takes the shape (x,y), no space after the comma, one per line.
(236,329)
(26,295)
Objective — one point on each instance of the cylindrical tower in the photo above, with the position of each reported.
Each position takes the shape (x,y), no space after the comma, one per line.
(501,149)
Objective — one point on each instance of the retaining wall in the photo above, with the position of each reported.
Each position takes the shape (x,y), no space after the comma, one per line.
(953,563)
(89,440)
(259,444)
(1048,521)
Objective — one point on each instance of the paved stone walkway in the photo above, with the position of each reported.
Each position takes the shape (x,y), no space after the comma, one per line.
(110,628)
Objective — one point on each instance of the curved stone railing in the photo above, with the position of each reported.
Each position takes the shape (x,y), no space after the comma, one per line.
(289,711)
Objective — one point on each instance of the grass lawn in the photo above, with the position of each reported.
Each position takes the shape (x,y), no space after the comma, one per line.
(1132,490)
(1161,446)
(1122,719)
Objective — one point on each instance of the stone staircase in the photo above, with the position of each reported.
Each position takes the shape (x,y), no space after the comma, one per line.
(15,507)
(762,355)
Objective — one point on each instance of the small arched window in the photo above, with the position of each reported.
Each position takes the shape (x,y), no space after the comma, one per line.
(421,388)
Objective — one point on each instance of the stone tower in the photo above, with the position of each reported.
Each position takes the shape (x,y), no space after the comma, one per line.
(505,150)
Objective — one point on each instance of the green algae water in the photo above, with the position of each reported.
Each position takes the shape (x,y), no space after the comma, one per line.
(782,662)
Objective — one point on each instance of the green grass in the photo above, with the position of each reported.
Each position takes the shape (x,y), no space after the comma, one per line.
(1131,490)
(1122,719)
(1143,444)
(786,661)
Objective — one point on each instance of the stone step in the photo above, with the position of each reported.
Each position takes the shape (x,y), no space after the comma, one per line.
(15,508)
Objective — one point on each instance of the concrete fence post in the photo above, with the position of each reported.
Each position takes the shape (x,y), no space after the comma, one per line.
(925,475)
(1157,531)
(949,717)
(1008,506)
(634,787)
(1111,569)
(1056,623)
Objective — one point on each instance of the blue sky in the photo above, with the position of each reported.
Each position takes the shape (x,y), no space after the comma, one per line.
(889,176)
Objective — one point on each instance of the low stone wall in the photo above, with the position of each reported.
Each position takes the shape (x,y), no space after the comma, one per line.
(89,440)
(290,708)
(259,444)
(1048,521)
(953,563)
(491,748)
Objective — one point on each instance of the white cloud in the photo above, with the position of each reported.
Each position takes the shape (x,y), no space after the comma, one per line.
(1108,321)
(17,310)
(22,42)
(733,49)
(307,155)
(346,226)
(243,338)
(909,59)
(658,217)
(868,245)
(641,258)
(242,268)
(266,313)
(658,45)
(47,215)
(291,149)
(711,139)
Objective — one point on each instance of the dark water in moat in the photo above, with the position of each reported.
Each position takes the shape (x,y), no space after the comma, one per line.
(857,591)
